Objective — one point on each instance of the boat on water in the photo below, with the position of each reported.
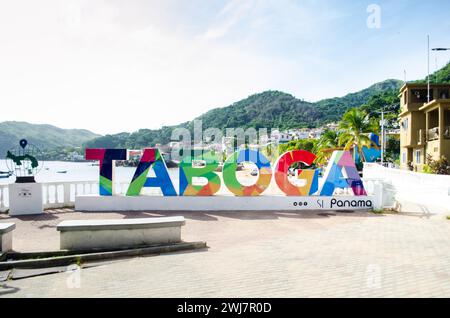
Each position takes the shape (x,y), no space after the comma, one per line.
(61,171)
(171,163)
(5,174)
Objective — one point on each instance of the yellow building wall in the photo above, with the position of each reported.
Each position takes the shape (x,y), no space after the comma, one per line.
(433,149)
(446,148)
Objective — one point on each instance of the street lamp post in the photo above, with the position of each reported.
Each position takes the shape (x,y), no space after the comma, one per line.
(383,133)
(436,49)
(439,49)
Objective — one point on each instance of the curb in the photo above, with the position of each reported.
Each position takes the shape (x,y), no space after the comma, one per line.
(66,260)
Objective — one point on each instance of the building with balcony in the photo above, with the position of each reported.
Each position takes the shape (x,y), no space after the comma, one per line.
(424,126)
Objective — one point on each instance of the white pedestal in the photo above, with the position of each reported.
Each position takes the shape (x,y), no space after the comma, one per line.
(221,203)
(25,198)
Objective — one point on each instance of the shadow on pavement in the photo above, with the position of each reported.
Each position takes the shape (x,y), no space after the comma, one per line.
(5,289)
(249,215)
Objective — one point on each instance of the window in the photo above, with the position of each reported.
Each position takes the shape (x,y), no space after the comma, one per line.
(404,157)
(421,95)
(443,94)
(405,124)
(418,156)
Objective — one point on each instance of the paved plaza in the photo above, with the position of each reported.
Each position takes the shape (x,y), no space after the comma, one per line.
(259,254)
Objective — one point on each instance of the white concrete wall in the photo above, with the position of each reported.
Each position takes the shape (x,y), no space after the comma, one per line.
(98,239)
(421,188)
(6,242)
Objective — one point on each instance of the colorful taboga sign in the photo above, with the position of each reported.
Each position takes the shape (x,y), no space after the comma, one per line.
(340,173)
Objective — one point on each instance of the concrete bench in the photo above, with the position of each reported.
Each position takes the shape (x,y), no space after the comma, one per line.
(6,236)
(123,233)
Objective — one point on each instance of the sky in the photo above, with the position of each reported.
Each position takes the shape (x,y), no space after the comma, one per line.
(111,65)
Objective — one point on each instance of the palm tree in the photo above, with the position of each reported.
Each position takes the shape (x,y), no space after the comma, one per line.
(327,143)
(355,126)
(328,140)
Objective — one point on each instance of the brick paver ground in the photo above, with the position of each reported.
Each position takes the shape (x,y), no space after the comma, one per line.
(260,254)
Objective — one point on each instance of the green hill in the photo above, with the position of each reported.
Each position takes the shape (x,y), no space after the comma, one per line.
(441,76)
(269,109)
(333,108)
(43,136)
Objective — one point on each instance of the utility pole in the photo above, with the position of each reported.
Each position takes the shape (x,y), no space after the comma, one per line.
(428,77)
(382,137)
(383,132)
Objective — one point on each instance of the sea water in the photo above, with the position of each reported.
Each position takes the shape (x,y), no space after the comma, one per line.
(51,171)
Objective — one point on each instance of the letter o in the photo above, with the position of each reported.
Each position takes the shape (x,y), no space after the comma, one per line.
(230,167)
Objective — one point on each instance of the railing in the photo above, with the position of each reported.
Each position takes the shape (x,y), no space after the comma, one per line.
(61,194)
(391,165)
(428,189)
(433,133)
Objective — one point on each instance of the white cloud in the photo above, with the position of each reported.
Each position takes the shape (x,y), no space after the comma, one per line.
(230,15)
(84,69)
(113,66)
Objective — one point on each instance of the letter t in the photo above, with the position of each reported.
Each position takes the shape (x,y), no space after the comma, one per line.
(106,158)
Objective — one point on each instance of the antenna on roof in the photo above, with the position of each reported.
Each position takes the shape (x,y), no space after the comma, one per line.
(404,73)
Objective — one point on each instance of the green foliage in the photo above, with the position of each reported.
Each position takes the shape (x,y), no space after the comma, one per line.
(327,142)
(440,166)
(427,169)
(392,151)
(389,101)
(303,144)
(441,76)
(354,126)
(265,110)
(377,211)
(334,108)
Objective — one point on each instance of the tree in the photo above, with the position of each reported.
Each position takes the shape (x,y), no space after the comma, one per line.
(301,144)
(354,126)
(327,142)
(392,151)
(439,166)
